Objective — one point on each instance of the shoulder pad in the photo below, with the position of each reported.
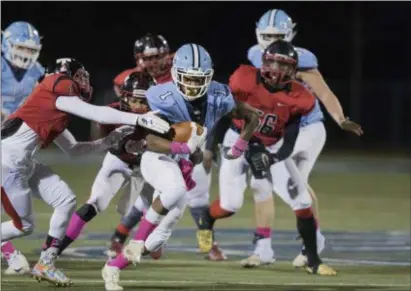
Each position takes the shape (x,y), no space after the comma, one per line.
(161,95)
(252,50)
(306,59)
(219,89)
(40,68)
(242,77)
(119,79)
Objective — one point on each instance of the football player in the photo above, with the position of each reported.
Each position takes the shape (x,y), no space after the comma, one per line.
(192,96)
(42,119)
(152,54)
(20,71)
(120,168)
(281,102)
(273,25)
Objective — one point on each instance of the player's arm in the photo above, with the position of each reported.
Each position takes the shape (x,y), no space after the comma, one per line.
(68,143)
(315,80)
(242,111)
(106,115)
(163,144)
(217,133)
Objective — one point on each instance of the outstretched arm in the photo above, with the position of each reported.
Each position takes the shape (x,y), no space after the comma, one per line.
(68,143)
(316,82)
(107,115)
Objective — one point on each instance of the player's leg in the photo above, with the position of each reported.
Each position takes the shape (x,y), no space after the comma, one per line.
(48,187)
(130,220)
(112,176)
(198,203)
(312,139)
(16,201)
(17,204)
(264,216)
(232,184)
(16,261)
(301,204)
(165,175)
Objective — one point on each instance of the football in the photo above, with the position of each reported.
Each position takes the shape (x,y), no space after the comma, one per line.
(182,131)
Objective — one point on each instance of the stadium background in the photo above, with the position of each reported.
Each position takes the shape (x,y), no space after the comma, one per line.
(363,183)
(363,49)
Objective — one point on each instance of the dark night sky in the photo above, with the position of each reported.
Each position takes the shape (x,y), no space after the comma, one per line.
(101,35)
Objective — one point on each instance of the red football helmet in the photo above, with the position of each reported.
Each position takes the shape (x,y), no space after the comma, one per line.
(133,92)
(77,72)
(279,63)
(152,54)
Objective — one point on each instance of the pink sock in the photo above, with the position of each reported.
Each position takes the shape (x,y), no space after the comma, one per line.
(144,229)
(75,227)
(120,262)
(265,232)
(7,249)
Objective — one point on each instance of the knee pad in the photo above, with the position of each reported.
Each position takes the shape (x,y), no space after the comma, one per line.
(87,212)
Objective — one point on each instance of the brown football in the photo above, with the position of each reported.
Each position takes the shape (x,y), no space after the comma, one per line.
(183,131)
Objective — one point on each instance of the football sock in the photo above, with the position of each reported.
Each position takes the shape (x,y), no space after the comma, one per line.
(202,218)
(7,249)
(307,229)
(77,222)
(217,212)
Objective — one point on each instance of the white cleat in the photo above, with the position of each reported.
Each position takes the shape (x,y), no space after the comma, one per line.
(301,260)
(255,260)
(133,251)
(111,277)
(18,264)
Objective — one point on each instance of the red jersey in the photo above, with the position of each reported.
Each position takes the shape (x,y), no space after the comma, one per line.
(39,111)
(275,109)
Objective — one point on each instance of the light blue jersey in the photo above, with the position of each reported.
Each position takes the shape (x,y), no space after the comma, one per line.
(13,91)
(306,60)
(171,104)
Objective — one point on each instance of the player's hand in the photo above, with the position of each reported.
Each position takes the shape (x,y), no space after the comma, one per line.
(236,150)
(196,140)
(350,125)
(151,121)
(197,157)
(207,160)
(261,161)
(115,137)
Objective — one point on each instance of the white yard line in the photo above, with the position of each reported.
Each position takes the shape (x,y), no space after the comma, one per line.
(187,282)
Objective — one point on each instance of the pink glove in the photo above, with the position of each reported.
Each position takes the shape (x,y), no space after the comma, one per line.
(186,168)
(236,150)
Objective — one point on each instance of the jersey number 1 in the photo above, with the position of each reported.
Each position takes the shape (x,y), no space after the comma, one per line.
(266,125)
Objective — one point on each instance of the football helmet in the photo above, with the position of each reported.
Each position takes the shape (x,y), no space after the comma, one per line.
(279,63)
(152,54)
(21,45)
(133,92)
(192,71)
(76,71)
(274,24)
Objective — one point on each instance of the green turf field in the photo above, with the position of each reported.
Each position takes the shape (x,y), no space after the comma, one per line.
(360,202)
